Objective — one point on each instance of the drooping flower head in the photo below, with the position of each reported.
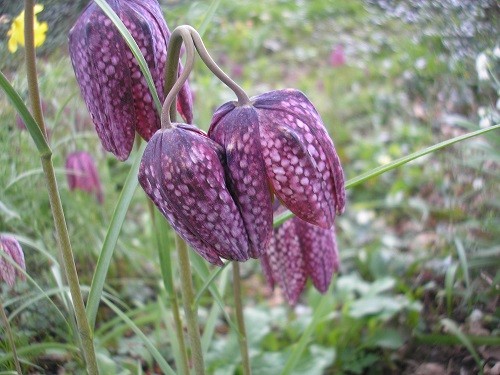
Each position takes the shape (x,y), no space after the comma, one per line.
(182,172)
(82,174)
(112,85)
(16,31)
(299,250)
(278,145)
(10,248)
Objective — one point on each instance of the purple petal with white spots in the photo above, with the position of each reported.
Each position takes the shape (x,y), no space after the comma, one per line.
(287,263)
(293,173)
(112,85)
(182,172)
(319,249)
(238,133)
(10,248)
(291,110)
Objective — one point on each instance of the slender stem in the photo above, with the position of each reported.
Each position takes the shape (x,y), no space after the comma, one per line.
(10,337)
(242,336)
(210,63)
(29,42)
(68,263)
(189,310)
(161,231)
(179,35)
(64,243)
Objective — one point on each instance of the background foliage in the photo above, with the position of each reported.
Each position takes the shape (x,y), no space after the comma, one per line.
(418,245)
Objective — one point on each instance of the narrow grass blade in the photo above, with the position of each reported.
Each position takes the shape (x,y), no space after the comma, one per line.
(319,312)
(202,271)
(451,326)
(395,164)
(210,323)
(209,281)
(33,350)
(462,257)
(162,363)
(449,280)
(133,47)
(208,16)
(31,124)
(111,238)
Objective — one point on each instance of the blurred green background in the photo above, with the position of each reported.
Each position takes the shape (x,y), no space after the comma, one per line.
(418,244)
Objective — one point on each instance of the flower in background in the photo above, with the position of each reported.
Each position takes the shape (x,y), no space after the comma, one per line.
(10,248)
(111,82)
(82,174)
(16,31)
(279,145)
(337,56)
(299,250)
(182,172)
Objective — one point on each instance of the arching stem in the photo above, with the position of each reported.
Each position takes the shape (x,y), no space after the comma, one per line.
(210,63)
(179,35)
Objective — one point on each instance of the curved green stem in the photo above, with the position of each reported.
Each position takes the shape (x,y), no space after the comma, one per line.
(210,63)
(179,35)
(64,243)
(10,338)
(242,336)
(189,309)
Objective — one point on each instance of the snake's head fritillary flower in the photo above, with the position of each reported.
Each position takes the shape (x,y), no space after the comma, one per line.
(10,248)
(82,174)
(182,172)
(278,145)
(297,251)
(112,85)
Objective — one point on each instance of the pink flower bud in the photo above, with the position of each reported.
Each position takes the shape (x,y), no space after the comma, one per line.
(10,248)
(337,56)
(82,174)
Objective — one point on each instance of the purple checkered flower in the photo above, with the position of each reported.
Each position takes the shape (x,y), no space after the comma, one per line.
(297,251)
(10,248)
(182,171)
(82,174)
(278,145)
(110,79)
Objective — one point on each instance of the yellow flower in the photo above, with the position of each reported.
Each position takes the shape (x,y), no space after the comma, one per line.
(16,31)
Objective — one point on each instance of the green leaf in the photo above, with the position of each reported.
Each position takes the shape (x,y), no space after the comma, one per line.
(208,17)
(31,124)
(111,238)
(320,311)
(162,363)
(451,326)
(395,164)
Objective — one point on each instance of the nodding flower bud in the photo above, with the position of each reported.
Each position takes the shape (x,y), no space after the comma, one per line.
(299,250)
(182,172)
(278,145)
(112,85)
(10,248)
(82,174)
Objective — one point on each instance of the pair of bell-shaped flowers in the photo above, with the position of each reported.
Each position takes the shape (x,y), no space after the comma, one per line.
(217,190)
